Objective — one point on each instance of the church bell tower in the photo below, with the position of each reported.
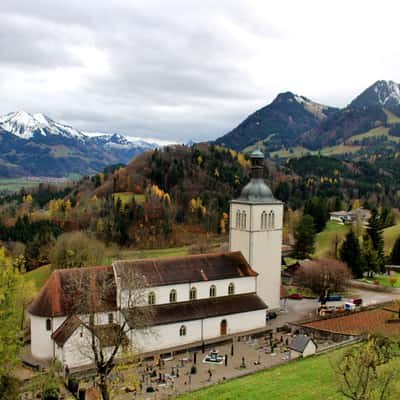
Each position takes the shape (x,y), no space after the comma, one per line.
(256,219)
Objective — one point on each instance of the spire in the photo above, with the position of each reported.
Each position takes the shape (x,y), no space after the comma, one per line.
(257,164)
(256,190)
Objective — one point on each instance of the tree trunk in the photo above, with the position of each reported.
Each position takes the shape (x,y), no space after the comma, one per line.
(104,387)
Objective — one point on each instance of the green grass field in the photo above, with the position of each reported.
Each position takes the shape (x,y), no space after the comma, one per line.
(309,379)
(326,238)
(383,280)
(390,235)
(151,253)
(127,197)
(305,379)
(38,276)
(14,185)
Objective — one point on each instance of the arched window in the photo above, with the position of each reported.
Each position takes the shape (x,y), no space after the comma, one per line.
(182,330)
(193,293)
(231,288)
(172,296)
(264,220)
(152,298)
(271,220)
(213,291)
(238,219)
(243,220)
(48,324)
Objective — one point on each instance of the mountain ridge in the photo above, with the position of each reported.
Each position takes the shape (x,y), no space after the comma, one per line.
(37,145)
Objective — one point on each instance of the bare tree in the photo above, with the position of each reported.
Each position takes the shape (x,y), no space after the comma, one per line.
(323,276)
(364,373)
(93,297)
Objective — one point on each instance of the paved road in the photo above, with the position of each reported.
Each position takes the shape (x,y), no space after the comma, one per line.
(307,308)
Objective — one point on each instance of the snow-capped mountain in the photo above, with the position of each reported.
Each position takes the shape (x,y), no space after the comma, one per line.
(381,93)
(26,126)
(34,144)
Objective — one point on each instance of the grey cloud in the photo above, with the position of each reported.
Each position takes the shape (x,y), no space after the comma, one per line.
(175,69)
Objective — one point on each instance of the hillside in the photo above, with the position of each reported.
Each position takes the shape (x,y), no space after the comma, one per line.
(277,125)
(36,145)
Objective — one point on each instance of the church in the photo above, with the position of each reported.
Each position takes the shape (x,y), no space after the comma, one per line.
(192,299)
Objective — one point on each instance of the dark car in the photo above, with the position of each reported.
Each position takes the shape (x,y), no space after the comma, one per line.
(271,315)
(295,296)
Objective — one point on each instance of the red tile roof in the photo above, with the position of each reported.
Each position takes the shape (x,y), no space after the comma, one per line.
(357,323)
(198,309)
(194,268)
(76,291)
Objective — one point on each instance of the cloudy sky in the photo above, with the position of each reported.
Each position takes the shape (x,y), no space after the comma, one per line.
(188,69)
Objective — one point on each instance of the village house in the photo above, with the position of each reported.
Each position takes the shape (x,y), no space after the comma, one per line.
(360,215)
(190,299)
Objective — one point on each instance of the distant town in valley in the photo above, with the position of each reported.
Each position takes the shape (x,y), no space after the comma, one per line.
(173,224)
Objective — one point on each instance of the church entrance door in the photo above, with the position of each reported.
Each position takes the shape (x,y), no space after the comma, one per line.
(223,327)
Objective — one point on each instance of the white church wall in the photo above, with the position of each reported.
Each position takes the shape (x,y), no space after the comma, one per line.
(42,346)
(235,323)
(242,285)
(167,336)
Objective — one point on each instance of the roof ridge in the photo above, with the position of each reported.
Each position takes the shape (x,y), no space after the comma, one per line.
(202,255)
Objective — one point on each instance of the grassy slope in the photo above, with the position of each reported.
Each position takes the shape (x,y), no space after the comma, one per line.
(326,238)
(375,132)
(16,184)
(38,276)
(308,379)
(390,235)
(391,118)
(126,197)
(152,253)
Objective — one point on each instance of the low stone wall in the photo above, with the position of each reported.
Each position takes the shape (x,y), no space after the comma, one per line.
(376,288)
(319,334)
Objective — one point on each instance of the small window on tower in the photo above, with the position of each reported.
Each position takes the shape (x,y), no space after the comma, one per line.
(272,219)
(264,220)
(243,220)
(110,318)
(238,219)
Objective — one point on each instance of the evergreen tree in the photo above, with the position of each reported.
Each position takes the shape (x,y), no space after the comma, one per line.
(304,235)
(318,209)
(374,231)
(370,258)
(350,253)
(395,254)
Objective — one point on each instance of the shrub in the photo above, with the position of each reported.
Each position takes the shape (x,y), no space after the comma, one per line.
(393,280)
(150,389)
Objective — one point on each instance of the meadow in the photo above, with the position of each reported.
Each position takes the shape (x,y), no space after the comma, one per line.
(304,379)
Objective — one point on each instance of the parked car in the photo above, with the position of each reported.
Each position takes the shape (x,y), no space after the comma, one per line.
(295,296)
(271,315)
(334,298)
(357,301)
